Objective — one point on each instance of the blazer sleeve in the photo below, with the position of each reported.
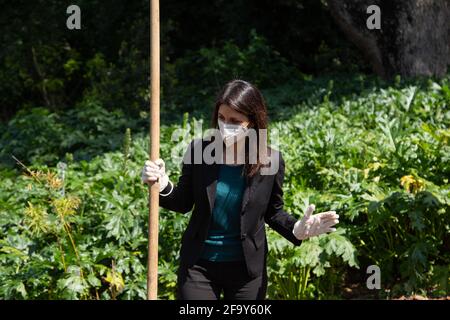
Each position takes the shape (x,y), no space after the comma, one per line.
(275,216)
(180,197)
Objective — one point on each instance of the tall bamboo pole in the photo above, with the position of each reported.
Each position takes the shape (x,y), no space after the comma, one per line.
(152,263)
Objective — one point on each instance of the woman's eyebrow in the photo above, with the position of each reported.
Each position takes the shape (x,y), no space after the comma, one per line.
(232,118)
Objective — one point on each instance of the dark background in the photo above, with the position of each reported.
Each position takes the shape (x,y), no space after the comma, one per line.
(45,64)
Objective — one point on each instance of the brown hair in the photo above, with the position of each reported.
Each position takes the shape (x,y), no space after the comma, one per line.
(245,98)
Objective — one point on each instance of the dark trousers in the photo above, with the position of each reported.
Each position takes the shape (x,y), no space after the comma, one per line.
(206,280)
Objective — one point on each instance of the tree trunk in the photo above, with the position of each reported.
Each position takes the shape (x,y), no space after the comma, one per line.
(414,39)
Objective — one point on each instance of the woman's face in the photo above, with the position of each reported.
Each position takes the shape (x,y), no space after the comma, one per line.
(231,116)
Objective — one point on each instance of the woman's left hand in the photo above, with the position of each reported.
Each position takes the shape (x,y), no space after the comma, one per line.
(313,225)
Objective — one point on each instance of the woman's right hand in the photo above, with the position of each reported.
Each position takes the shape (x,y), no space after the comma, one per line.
(155,171)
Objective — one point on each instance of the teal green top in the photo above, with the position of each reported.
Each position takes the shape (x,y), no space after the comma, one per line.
(223,242)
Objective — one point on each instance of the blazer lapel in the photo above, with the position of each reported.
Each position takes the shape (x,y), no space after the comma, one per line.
(249,190)
(211,176)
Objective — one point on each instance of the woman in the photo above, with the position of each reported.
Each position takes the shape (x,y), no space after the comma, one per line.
(224,247)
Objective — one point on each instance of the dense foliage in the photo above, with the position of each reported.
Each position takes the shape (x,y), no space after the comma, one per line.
(74,137)
(378,154)
(44,63)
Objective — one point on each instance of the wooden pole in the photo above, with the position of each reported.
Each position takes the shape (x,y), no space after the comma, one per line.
(153,217)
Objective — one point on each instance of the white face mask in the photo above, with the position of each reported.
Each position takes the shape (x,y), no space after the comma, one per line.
(230,131)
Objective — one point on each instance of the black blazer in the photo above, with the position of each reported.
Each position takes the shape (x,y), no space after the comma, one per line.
(262,203)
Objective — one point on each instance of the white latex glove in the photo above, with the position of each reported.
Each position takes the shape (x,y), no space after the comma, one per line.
(153,171)
(313,225)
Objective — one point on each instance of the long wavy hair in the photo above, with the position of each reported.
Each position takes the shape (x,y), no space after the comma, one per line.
(245,98)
